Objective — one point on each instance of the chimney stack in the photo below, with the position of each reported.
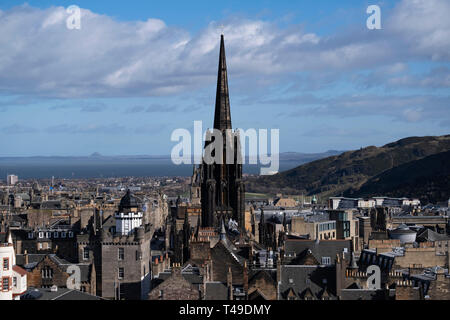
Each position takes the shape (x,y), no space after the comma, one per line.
(245,277)
(230,284)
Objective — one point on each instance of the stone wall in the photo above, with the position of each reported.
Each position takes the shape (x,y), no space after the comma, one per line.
(175,288)
(200,251)
(135,269)
(407,292)
(59,278)
(426,257)
(440,289)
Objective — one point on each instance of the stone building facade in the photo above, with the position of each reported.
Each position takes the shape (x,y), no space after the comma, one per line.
(122,260)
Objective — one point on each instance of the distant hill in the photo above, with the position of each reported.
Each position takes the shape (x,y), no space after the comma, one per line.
(336,175)
(96,155)
(427,178)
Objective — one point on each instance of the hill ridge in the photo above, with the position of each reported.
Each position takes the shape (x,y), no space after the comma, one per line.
(336,175)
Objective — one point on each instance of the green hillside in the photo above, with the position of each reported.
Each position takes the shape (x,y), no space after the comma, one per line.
(337,175)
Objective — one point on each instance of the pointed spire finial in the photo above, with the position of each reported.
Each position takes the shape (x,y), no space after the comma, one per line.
(9,239)
(222,116)
(222,231)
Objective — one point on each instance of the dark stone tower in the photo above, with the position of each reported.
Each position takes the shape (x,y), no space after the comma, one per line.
(222,188)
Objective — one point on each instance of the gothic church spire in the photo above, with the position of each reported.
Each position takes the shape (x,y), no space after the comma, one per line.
(222,116)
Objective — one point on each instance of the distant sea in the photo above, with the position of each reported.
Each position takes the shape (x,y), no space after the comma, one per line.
(121,166)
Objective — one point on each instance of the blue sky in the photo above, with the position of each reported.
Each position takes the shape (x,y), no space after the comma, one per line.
(137,70)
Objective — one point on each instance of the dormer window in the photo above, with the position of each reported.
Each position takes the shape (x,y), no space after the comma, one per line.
(326,261)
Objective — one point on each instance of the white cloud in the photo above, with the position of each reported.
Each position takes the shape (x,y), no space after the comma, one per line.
(406,108)
(107,58)
(413,115)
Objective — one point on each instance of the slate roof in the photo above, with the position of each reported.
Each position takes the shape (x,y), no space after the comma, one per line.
(189,273)
(363,294)
(51,204)
(268,274)
(325,248)
(223,257)
(64,264)
(216,291)
(430,235)
(300,279)
(24,196)
(318,217)
(35,259)
(128,201)
(61,294)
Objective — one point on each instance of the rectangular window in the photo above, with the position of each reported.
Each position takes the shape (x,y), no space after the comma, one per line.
(86,254)
(138,255)
(121,254)
(47,273)
(326,261)
(5,284)
(15,282)
(121,273)
(5,264)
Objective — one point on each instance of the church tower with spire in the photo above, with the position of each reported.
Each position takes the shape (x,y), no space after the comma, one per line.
(222,187)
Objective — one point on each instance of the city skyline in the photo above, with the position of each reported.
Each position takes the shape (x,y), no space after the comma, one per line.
(177,152)
(313,71)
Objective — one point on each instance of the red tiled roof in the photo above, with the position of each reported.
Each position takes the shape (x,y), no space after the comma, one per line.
(19,270)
